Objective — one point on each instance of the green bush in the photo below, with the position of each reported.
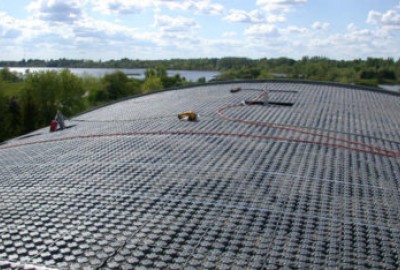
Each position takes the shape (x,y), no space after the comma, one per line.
(152,84)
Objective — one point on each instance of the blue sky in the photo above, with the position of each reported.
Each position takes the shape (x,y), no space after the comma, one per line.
(164,29)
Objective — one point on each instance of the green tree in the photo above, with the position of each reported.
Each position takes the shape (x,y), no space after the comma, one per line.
(158,71)
(15,118)
(49,91)
(201,80)
(152,84)
(176,80)
(134,87)
(4,118)
(95,91)
(264,74)
(116,85)
(71,94)
(161,73)
(234,63)
(30,112)
(44,88)
(7,75)
(386,74)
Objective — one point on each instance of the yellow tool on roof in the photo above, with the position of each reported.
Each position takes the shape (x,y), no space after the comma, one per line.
(188,116)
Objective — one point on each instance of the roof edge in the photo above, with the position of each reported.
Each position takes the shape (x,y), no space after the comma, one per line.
(336,84)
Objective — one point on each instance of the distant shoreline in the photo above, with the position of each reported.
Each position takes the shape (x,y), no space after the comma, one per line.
(137,73)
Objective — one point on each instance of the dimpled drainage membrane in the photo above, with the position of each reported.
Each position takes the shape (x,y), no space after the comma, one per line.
(314,185)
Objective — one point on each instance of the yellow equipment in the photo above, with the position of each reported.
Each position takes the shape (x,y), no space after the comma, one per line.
(189,116)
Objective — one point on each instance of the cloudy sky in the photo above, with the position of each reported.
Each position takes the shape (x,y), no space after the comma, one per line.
(164,29)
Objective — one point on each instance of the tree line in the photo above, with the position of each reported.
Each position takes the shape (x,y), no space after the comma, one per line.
(30,101)
(172,64)
(371,71)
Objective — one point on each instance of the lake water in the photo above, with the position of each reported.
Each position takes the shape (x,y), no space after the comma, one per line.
(138,73)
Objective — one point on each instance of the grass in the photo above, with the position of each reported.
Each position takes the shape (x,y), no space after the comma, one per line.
(11,89)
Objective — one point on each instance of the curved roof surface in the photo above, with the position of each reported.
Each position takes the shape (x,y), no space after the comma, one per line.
(312,185)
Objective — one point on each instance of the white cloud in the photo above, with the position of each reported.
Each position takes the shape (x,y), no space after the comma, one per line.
(196,6)
(229,34)
(222,43)
(387,23)
(275,18)
(10,28)
(295,30)
(206,7)
(297,41)
(236,15)
(175,24)
(390,18)
(320,26)
(22,30)
(270,11)
(262,31)
(254,16)
(352,27)
(354,36)
(61,11)
(50,33)
(67,26)
(83,28)
(102,29)
(135,6)
(120,7)
(280,5)
(73,26)
(355,42)
(357,34)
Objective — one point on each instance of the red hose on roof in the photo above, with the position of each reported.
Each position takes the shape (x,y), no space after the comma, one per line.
(387,153)
(373,149)
(356,146)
